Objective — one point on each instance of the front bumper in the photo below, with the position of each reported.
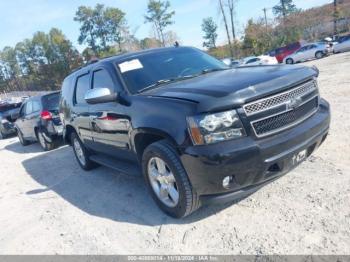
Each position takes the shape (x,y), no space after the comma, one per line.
(250,161)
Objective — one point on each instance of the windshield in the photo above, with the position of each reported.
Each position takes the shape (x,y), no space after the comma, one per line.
(147,70)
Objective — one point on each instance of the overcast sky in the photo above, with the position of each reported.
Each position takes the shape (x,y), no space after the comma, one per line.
(19,19)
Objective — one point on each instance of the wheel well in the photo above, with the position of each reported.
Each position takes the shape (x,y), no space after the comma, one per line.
(69,131)
(141,141)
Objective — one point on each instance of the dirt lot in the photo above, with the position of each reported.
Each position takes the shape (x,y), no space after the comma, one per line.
(48,205)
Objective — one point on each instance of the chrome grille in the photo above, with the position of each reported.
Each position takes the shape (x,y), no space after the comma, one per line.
(278,122)
(279,99)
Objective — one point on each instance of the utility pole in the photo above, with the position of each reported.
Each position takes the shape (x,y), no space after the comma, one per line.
(265,17)
(335,16)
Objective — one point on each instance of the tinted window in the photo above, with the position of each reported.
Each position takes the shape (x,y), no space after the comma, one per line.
(302,49)
(101,79)
(253,60)
(51,101)
(29,108)
(36,106)
(147,69)
(81,88)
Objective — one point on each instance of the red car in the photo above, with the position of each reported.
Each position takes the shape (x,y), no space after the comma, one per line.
(282,52)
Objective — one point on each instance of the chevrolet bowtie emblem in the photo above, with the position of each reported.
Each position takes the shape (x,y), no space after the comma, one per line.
(294,103)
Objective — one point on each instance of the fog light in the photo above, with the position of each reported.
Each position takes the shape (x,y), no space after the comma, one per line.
(227,181)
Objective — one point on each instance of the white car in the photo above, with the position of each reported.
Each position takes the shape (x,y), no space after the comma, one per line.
(307,52)
(259,60)
(231,62)
(343,46)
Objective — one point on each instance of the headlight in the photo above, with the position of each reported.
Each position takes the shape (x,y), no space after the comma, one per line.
(212,128)
(3,121)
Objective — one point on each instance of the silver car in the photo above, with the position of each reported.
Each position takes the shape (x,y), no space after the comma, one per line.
(307,52)
(342,46)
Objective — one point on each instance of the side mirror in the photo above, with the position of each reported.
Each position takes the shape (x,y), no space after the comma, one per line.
(100,95)
(15,116)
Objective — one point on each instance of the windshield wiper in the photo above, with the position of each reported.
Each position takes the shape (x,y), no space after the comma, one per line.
(209,70)
(165,81)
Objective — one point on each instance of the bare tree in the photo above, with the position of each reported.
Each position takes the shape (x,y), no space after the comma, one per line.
(231,6)
(226,26)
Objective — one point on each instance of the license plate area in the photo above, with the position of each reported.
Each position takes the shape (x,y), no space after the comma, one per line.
(299,157)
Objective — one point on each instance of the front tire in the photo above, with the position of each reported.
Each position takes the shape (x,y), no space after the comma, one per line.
(289,61)
(168,181)
(319,55)
(81,153)
(22,140)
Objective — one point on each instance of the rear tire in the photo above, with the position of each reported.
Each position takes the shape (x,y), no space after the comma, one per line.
(319,55)
(23,141)
(81,153)
(45,145)
(175,178)
(289,61)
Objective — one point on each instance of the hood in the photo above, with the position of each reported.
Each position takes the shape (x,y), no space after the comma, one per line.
(234,87)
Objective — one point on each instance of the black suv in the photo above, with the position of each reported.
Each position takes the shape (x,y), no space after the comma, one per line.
(6,122)
(38,120)
(200,132)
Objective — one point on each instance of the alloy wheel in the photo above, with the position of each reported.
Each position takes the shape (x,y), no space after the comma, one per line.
(163,182)
(42,140)
(79,152)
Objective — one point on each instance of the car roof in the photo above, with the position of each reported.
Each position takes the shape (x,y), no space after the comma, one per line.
(41,96)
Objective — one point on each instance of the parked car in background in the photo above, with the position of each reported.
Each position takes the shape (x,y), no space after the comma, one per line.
(282,52)
(6,122)
(38,120)
(258,60)
(307,52)
(199,131)
(231,62)
(342,46)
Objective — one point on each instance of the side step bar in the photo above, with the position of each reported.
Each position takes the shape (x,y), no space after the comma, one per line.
(128,168)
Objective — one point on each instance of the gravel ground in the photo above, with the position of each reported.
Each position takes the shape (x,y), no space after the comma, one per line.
(48,205)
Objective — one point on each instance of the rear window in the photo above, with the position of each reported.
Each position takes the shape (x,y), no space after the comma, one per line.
(51,101)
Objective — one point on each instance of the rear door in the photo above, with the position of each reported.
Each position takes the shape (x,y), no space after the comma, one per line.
(20,120)
(310,52)
(109,123)
(32,118)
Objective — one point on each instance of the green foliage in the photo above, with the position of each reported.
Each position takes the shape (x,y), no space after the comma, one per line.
(149,42)
(158,14)
(284,8)
(40,63)
(101,28)
(210,32)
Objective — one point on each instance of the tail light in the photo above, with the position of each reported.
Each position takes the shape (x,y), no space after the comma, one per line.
(46,115)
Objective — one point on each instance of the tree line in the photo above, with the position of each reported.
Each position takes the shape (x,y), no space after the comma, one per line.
(289,24)
(42,62)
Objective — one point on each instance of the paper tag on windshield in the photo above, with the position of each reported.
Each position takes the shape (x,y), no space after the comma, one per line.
(130,65)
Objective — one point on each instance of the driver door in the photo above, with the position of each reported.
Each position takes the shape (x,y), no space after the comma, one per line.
(108,122)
